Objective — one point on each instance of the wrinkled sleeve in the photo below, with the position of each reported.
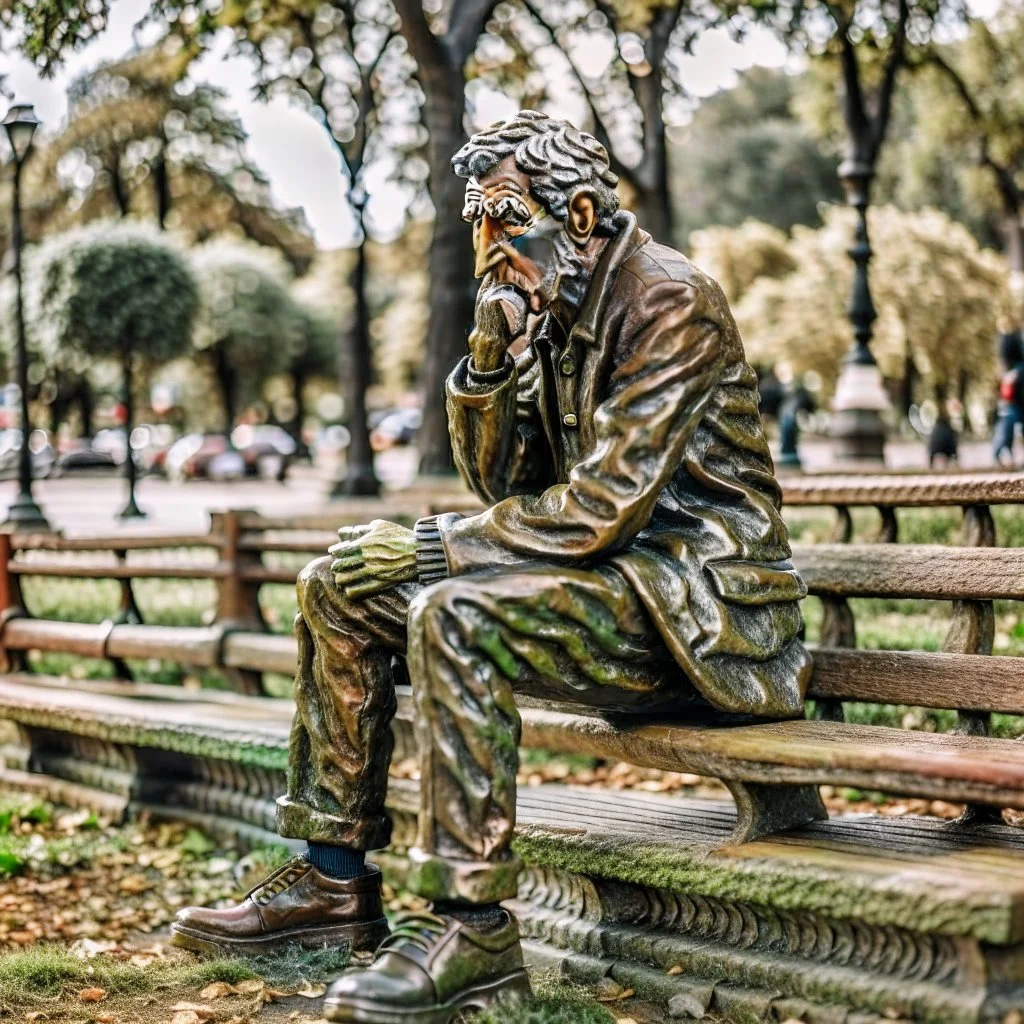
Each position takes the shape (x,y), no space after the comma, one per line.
(669,358)
(497,438)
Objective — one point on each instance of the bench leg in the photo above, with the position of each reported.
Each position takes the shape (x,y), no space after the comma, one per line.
(763,809)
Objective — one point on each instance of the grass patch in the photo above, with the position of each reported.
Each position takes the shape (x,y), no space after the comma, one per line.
(45,972)
(549,1005)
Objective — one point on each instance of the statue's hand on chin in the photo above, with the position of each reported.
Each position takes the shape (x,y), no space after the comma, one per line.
(501,313)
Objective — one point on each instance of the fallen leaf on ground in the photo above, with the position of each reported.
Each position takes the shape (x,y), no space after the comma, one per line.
(250,986)
(311,991)
(675,969)
(201,1010)
(105,1018)
(271,995)
(92,995)
(217,990)
(186,1017)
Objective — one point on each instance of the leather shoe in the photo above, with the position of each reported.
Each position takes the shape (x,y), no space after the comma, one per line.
(296,904)
(428,970)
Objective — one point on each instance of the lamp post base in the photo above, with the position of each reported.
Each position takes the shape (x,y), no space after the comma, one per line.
(857,426)
(858,436)
(132,511)
(25,516)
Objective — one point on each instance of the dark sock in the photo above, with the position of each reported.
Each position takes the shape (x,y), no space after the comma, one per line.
(336,861)
(481,916)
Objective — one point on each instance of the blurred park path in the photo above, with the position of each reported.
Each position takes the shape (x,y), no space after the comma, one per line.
(90,504)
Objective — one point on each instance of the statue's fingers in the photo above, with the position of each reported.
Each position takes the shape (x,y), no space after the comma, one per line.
(346,565)
(374,585)
(353,574)
(349,533)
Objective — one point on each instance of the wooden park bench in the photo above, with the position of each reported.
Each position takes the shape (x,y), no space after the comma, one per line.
(772,911)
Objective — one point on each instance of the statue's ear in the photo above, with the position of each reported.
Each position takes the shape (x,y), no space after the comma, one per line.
(582,215)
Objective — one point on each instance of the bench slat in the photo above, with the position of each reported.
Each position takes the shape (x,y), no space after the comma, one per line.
(927,571)
(263,652)
(85,639)
(301,541)
(96,570)
(938,766)
(188,645)
(113,542)
(972,682)
(906,490)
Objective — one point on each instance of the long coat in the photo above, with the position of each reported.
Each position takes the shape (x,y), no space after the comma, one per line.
(635,439)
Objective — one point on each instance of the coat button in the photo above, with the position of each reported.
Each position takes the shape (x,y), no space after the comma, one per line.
(568,367)
(569,419)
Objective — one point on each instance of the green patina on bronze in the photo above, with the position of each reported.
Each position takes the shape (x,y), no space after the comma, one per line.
(772,882)
(632,554)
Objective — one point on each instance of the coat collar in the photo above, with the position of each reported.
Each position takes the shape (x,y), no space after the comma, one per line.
(627,239)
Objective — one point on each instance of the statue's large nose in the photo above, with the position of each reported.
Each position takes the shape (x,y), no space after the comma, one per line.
(488,231)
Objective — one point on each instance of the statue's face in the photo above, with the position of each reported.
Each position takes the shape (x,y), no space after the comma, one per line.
(504,215)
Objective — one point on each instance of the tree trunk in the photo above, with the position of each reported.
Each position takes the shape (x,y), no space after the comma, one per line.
(360,477)
(654,208)
(908,382)
(163,188)
(225,375)
(451,289)
(295,427)
(131,509)
(654,201)
(1013,233)
(86,408)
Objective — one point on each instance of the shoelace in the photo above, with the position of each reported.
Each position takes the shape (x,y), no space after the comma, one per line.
(419,929)
(287,875)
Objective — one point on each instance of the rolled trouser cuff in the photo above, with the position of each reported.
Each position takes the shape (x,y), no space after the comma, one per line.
(476,881)
(300,821)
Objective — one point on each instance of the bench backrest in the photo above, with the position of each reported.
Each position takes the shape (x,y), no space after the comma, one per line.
(964,676)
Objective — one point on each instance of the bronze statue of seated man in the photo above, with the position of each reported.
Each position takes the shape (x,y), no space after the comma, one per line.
(631,557)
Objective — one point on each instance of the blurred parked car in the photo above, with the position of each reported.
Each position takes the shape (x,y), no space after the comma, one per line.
(81,456)
(42,452)
(204,457)
(398,427)
(267,449)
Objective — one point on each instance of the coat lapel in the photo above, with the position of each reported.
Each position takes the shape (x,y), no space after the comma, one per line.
(594,353)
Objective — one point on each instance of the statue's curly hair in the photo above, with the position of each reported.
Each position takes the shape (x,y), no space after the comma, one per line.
(557,157)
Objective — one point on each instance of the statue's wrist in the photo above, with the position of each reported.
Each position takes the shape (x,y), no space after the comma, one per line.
(431,561)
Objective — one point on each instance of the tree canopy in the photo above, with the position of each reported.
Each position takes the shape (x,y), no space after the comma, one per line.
(745,153)
(107,288)
(941,299)
(248,326)
(142,139)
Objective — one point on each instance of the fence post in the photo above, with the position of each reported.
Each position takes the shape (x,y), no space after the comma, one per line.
(12,605)
(238,598)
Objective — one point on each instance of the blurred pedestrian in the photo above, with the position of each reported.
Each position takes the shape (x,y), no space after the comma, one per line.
(1010,410)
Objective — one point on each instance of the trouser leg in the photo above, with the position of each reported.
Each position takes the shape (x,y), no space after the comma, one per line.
(341,741)
(473,642)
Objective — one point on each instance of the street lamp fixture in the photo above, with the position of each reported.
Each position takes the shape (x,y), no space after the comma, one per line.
(20,124)
(24,514)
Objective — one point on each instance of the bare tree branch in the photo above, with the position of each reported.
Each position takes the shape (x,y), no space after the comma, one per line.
(1005,180)
(894,61)
(468,19)
(600,131)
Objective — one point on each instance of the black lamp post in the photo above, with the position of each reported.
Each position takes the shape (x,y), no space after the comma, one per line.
(20,124)
(860,397)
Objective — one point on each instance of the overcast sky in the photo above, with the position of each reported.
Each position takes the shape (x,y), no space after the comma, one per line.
(286,142)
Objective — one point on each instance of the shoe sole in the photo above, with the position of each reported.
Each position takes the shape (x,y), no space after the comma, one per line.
(511,988)
(359,938)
